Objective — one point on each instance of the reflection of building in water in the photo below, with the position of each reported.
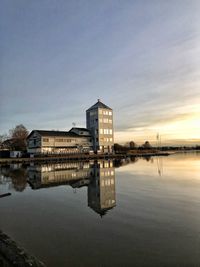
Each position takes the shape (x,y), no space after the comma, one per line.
(57,174)
(101,190)
(99,177)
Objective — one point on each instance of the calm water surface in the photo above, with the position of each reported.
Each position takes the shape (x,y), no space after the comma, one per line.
(143,212)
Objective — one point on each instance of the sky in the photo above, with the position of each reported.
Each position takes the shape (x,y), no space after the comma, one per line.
(140,57)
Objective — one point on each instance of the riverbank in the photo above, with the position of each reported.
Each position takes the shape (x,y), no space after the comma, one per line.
(16,255)
(61,158)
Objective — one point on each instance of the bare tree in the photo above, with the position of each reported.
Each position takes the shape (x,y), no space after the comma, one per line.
(18,137)
(3,137)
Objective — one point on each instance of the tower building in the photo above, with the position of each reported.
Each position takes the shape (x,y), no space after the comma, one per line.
(99,121)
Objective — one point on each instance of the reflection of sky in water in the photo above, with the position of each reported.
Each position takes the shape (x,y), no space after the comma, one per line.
(173,167)
(154,222)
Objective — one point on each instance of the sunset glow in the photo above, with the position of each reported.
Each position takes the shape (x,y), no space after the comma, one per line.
(141,58)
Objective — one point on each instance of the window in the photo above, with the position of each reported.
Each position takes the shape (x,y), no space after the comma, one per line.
(105,131)
(44,140)
(97,139)
(110,121)
(93,112)
(110,113)
(59,140)
(101,131)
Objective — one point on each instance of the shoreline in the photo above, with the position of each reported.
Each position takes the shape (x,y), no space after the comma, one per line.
(15,255)
(80,157)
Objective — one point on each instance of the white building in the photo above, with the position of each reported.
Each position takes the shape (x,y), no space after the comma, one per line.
(99,120)
(75,141)
(98,135)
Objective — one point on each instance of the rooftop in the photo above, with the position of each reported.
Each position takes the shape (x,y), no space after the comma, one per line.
(80,129)
(55,133)
(99,104)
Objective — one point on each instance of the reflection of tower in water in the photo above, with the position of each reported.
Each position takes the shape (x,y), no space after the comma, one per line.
(101,190)
(99,177)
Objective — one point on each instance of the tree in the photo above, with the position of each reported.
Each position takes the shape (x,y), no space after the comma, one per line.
(18,137)
(132,145)
(147,145)
(120,148)
(3,138)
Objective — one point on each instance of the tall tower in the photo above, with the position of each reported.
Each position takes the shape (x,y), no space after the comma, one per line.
(99,120)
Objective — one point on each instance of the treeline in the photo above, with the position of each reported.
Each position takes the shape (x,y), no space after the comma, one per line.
(147,146)
(132,146)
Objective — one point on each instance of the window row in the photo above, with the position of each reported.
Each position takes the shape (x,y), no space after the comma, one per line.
(106,139)
(107,173)
(107,182)
(93,113)
(60,140)
(105,112)
(105,120)
(105,131)
(105,164)
(65,140)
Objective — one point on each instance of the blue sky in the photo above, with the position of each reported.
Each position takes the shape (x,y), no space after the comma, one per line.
(142,58)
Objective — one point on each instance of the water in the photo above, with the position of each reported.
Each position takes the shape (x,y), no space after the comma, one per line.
(143,212)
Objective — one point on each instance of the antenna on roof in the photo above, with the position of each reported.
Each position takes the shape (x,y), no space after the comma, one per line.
(73,124)
(98,99)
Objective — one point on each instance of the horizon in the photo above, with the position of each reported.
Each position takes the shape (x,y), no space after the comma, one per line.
(141,59)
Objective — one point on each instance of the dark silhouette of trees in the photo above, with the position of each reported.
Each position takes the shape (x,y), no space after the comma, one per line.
(147,145)
(120,149)
(3,138)
(18,137)
(132,145)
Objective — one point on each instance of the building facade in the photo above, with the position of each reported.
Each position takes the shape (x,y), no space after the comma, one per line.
(40,141)
(98,135)
(99,121)
(98,177)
